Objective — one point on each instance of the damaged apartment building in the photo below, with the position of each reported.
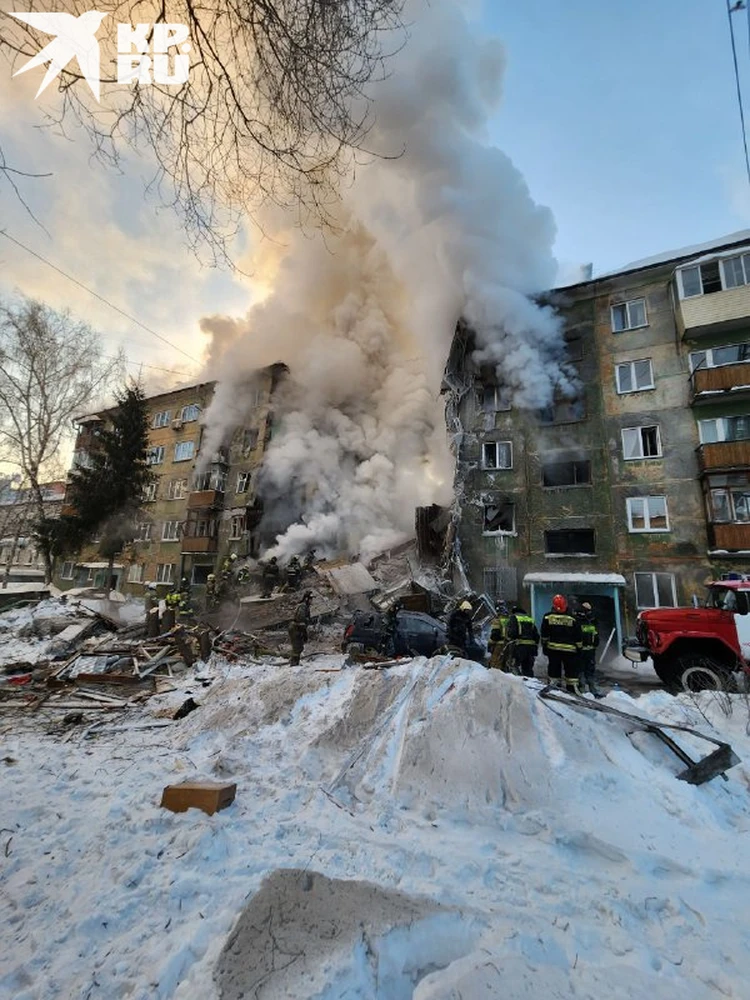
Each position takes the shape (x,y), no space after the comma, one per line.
(636,492)
(200,508)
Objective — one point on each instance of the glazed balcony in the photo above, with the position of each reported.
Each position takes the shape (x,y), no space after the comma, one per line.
(729,537)
(719,312)
(205,498)
(711,385)
(724,456)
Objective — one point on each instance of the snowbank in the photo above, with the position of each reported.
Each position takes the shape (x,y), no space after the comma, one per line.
(430,831)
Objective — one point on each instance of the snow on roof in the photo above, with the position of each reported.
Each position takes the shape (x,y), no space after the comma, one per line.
(613,579)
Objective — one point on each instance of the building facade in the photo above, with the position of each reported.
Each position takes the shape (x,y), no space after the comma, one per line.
(200,507)
(634,493)
(20,559)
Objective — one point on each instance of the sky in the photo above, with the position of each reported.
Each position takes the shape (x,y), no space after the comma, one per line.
(622,117)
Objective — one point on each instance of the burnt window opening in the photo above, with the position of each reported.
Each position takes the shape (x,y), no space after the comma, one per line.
(567,473)
(496,398)
(570,541)
(563,411)
(497,455)
(500,518)
(574,348)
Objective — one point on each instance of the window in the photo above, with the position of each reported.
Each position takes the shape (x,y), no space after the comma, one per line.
(496,398)
(156,455)
(170,531)
(497,455)
(184,451)
(500,518)
(176,489)
(714,276)
(215,479)
(135,573)
(574,348)
(724,429)
(150,492)
(563,411)
(66,573)
(203,528)
(655,590)
(164,572)
(238,526)
(641,442)
(633,376)
(190,412)
(143,531)
(647,514)
(571,472)
(243,482)
(501,581)
(715,357)
(629,315)
(161,419)
(249,440)
(730,505)
(569,542)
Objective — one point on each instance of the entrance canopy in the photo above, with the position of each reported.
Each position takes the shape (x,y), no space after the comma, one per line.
(577,579)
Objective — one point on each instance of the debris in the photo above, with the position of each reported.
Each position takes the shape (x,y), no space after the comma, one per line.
(72,718)
(206,795)
(186,708)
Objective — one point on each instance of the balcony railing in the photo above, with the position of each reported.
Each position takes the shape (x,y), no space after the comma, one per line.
(724,455)
(204,544)
(716,312)
(205,498)
(710,384)
(731,537)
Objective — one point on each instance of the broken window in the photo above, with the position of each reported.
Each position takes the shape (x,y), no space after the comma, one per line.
(655,590)
(497,455)
(243,482)
(249,440)
(496,398)
(641,442)
(574,348)
(170,531)
(156,455)
(647,514)
(569,541)
(700,279)
(574,472)
(629,315)
(563,411)
(500,518)
(633,376)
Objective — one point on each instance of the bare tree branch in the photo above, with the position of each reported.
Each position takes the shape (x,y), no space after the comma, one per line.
(274,108)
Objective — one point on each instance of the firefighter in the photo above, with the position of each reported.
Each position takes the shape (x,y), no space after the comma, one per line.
(561,643)
(270,576)
(293,573)
(523,640)
(498,637)
(307,565)
(298,628)
(460,632)
(589,644)
(212,596)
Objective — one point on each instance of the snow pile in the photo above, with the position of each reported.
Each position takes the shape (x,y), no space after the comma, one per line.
(427,832)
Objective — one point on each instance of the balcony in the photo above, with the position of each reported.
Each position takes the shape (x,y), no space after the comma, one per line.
(205,498)
(715,312)
(724,456)
(712,385)
(203,544)
(729,537)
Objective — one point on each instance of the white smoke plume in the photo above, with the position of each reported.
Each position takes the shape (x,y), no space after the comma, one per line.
(364,317)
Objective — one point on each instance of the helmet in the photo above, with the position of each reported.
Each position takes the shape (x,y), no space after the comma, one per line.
(559,603)
(233,556)
(273,559)
(502,607)
(586,607)
(211,576)
(465,606)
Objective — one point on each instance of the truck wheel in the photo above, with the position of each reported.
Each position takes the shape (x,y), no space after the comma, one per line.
(669,673)
(701,673)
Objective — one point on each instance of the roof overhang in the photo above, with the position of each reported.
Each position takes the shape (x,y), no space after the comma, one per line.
(609,579)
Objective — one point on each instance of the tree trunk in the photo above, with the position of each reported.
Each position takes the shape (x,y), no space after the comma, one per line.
(36,491)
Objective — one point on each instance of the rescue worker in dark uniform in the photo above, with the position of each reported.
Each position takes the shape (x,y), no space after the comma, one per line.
(460,632)
(270,576)
(523,641)
(589,644)
(293,573)
(298,628)
(498,637)
(561,643)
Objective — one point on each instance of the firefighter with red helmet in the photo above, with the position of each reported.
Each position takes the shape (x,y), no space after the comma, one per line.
(562,639)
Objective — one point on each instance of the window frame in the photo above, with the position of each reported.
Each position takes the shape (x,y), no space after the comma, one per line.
(132,576)
(708,356)
(626,305)
(182,445)
(497,467)
(165,577)
(731,503)
(156,455)
(722,424)
(631,365)
(493,532)
(71,575)
(189,413)
(655,590)
(145,530)
(647,530)
(172,491)
(642,457)
(243,476)
(150,493)
(574,463)
(170,531)
(578,553)
(742,255)
(237,520)
(161,419)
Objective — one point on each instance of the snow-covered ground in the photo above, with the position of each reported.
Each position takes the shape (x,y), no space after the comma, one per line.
(433,831)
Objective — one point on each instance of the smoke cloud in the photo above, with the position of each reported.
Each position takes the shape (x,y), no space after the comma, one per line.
(442,227)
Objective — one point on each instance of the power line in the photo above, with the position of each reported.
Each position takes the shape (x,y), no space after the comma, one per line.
(730,10)
(142,364)
(97,296)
